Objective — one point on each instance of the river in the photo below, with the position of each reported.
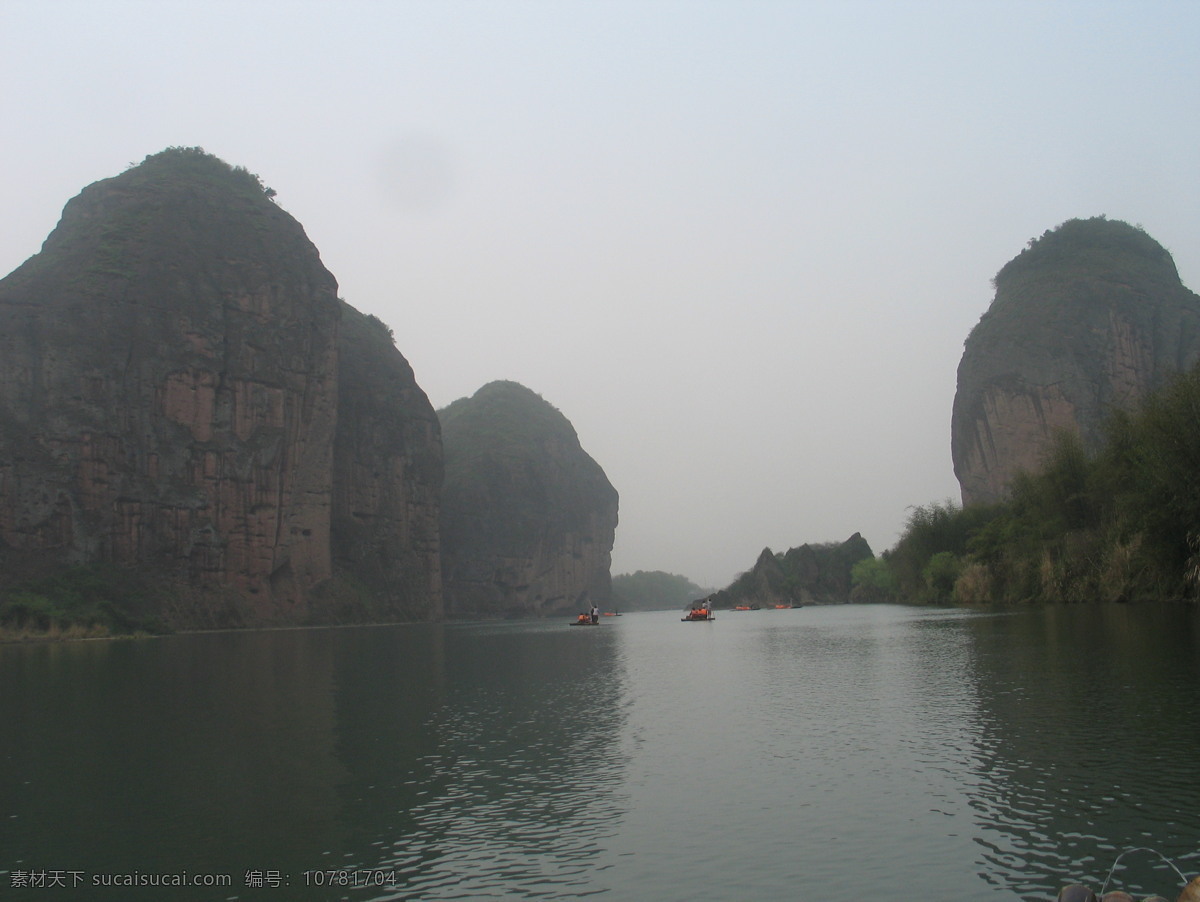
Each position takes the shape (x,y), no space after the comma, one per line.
(841,752)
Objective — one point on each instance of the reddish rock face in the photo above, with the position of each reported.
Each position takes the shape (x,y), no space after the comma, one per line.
(1090,318)
(169,389)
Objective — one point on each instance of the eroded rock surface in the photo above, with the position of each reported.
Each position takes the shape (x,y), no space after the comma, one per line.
(1089,318)
(169,401)
(528,517)
(387,479)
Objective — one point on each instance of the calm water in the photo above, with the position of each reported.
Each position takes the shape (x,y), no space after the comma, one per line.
(828,752)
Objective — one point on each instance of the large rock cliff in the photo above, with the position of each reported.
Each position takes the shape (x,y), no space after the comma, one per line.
(1088,318)
(387,479)
(528,518)
(169,367)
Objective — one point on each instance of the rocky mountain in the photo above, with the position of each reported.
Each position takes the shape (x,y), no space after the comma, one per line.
(528,518)
(807,574)
(170,401)
(387,479)
(1090,317)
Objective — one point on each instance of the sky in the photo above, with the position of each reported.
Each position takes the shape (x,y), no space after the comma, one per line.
(738,244)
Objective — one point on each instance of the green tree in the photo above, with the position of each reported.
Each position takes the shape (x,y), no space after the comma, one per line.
(1151,468)
(940,575)
(654,590)
(930,530)
(872,580)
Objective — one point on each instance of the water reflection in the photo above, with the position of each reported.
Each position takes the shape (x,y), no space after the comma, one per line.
(518,791)
(389,683)
(1087,746)
(843,752)
(172,755)
(796,753)
(458,761)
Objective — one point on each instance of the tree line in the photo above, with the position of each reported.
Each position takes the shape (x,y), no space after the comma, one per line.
(1115,523)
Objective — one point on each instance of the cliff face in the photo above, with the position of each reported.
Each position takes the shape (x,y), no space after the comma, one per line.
(807,574)
(169,394)
(528,518)
(1090,317)
(387,479)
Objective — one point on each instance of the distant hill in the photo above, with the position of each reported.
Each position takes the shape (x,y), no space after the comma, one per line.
(528,517)
(808,574)
(654,590)
(1088,318)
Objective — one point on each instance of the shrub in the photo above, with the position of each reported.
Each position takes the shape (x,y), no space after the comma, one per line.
(872,579)
(940,574)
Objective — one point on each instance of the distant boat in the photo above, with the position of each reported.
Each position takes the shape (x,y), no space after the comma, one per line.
(700,611)
(584,620)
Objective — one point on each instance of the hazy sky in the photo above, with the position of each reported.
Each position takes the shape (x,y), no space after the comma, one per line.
(738,244)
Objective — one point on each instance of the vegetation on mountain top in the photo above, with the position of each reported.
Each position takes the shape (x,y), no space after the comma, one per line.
(1095,245)
(197,164)
(502,417)
(1052,293)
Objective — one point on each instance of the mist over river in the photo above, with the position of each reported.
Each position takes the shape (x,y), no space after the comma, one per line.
(842,752)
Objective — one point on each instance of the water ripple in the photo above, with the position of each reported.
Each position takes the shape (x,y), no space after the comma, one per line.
(841,752)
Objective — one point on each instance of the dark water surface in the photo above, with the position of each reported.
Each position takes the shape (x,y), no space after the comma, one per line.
(827,752)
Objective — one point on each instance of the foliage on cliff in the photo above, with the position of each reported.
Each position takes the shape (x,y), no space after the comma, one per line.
(1089,247)
(807,574)
(196,164)
(1121,523)
(654,590)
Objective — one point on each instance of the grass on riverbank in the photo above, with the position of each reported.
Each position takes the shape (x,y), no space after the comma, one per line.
(54,633)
